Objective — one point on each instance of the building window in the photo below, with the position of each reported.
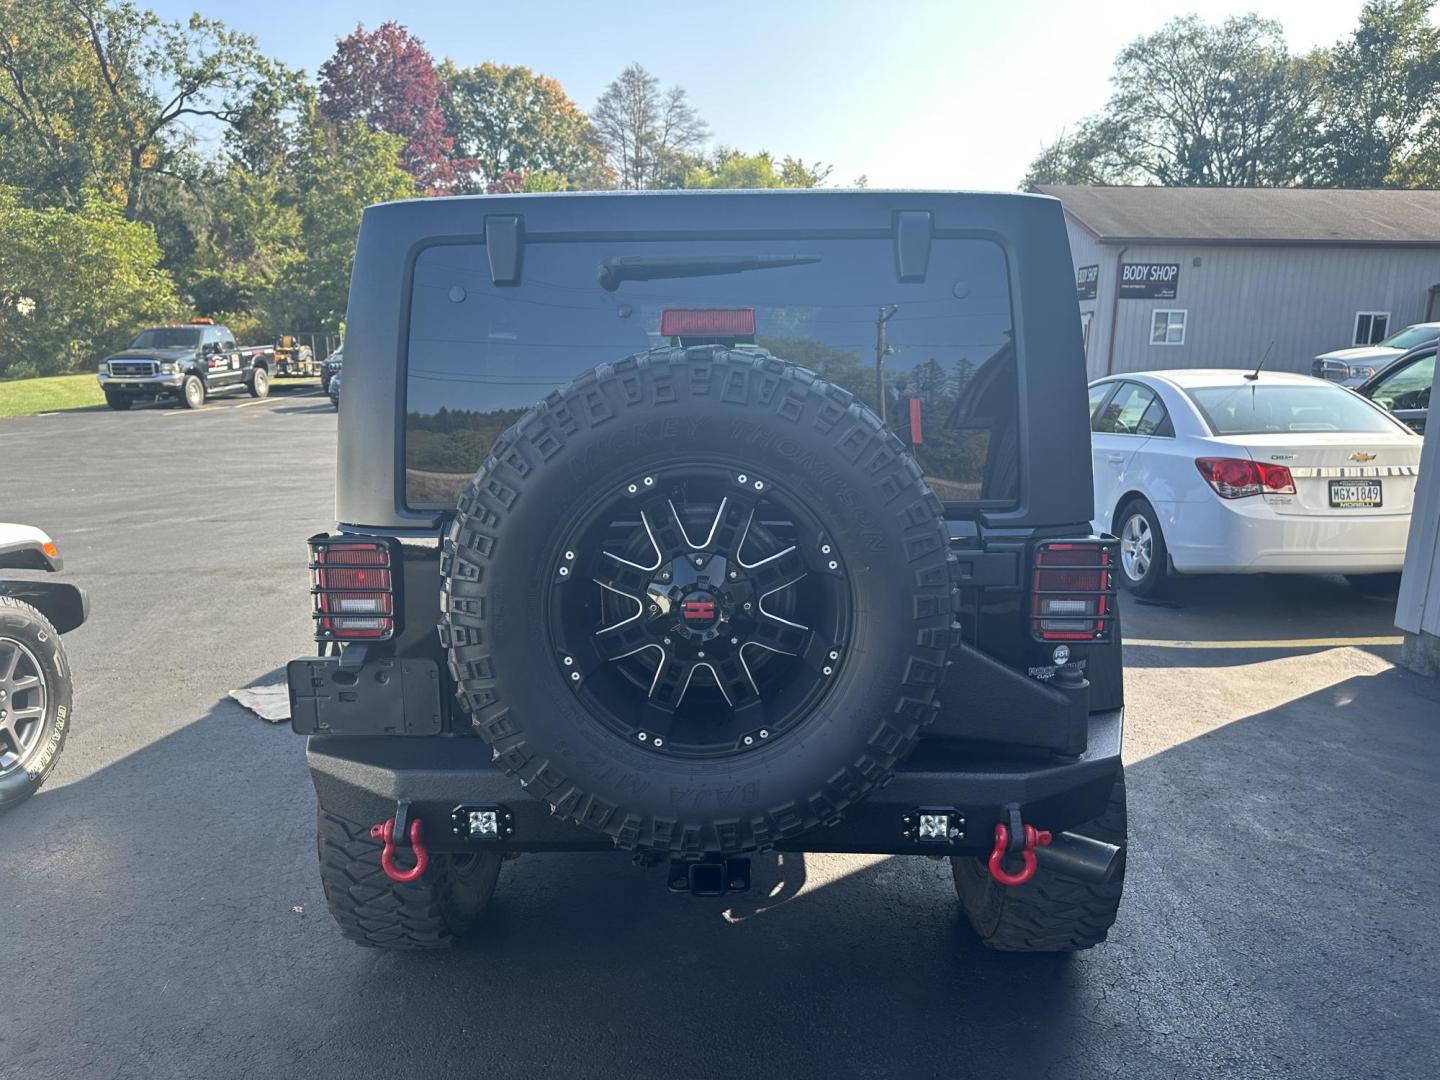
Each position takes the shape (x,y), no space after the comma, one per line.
(1168,328)
(1085,317)
(1371,327)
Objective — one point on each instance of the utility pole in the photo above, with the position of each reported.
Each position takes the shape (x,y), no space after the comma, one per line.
(882,350)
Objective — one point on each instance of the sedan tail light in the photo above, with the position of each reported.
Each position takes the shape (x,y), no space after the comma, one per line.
(1072,590)
(353,586)
(1236,478)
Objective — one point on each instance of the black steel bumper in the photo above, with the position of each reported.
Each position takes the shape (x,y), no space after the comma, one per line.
(363,777)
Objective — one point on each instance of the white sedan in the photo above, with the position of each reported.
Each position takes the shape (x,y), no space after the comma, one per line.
(1203,472)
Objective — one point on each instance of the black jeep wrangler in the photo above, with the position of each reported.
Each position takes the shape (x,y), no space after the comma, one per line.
(703,524)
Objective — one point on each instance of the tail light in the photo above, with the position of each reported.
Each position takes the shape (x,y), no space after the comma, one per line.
(353,584)
(1072,591)
(1235,478)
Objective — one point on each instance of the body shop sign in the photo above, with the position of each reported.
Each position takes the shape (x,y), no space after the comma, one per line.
(1086,279)
(1149,281)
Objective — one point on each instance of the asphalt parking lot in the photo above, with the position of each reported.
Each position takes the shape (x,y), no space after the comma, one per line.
(161,915)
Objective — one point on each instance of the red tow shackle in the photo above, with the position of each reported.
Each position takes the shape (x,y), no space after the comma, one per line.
(386,831)
(1033,838)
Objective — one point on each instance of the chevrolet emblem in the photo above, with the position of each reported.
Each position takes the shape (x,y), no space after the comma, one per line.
(1360,455)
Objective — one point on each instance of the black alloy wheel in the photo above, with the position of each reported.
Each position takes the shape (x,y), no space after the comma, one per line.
(699,611)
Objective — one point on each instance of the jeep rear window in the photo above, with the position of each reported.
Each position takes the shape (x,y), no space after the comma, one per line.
(480,354)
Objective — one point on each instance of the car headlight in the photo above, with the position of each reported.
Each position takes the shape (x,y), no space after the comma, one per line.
(1361,371)
(167,369)
(104,369)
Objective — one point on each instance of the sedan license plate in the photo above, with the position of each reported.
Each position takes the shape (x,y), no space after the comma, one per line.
(1348,493)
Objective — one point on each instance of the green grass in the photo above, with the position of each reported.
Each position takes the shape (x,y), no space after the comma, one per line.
(25,397)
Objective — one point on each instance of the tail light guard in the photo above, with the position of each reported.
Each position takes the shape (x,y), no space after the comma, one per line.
(355,588)
(1072,589)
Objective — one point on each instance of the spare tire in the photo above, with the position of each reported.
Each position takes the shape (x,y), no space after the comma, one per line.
(698,600)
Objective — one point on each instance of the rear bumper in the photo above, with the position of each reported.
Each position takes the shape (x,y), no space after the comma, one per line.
(363,777)
(1213,537)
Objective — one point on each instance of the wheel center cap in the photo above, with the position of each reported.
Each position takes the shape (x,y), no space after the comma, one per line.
(700,610)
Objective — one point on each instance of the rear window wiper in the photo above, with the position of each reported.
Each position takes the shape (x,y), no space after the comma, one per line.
(651,267)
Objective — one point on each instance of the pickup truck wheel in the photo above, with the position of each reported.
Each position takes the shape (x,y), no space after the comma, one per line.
(1050,912)
(34,700)
(698,600)
(193,392)
(259,383)
(370,909)
(118,402)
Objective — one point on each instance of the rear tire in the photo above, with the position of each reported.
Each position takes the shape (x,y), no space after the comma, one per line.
(259,384)
(118,402)
(30,745)
(371,910)
(1374,584)
(1144,557)
(1050,912)
(193,392)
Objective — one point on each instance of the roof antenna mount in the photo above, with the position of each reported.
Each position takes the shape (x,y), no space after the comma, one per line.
(1253,375)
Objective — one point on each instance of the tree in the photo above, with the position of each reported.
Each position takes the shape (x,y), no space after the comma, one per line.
(729,168)
(74,285)
(1381,100)
(254,240)
(646,132)
(508,119)
(138,85)
(387,80)
(339,171)
(1196,104)
(1085,156)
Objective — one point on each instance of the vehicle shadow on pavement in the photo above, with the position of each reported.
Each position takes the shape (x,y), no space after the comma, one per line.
(1226,621)
(1278,919)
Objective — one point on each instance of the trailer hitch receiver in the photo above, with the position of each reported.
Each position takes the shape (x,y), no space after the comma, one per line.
(709,876)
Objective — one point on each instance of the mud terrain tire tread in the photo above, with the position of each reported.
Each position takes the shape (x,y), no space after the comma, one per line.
(430,913)
(1051,912)
(749,379)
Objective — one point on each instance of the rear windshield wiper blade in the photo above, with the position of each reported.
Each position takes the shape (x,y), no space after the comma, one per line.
(650,267)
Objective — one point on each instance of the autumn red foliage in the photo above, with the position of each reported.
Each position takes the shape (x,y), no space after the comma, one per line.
(386,78)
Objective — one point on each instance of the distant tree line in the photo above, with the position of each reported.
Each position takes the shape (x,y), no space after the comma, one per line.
(154,169)
(1228,105)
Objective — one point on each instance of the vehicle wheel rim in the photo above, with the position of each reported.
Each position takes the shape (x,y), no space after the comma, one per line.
(22,704)
(699,612)
(1137,547)
(192,392)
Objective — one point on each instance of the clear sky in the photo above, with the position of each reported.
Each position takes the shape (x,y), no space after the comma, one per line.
(911,93)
